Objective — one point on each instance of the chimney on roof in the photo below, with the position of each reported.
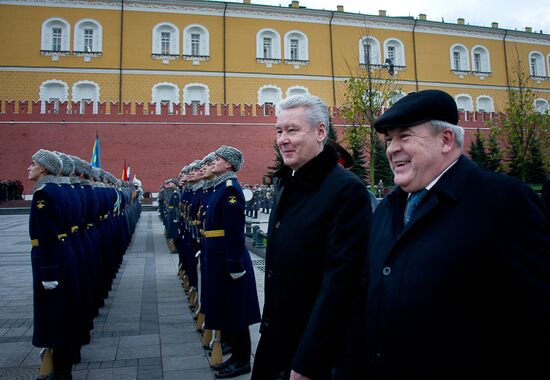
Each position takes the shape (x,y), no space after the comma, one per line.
(494,25)
(529,29)
(382,12)
(295,4)
(460,21)
(422,16)
(339,8)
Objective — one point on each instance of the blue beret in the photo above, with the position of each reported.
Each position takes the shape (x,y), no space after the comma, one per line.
(417,108)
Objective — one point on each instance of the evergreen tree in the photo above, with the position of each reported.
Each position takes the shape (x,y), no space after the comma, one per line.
(331,132)
(477,150)
(382,170)
(278,163)
(356,149)
(536,168)
(494,153)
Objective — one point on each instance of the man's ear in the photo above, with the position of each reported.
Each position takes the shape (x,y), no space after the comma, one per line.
(447,141)
(321,132)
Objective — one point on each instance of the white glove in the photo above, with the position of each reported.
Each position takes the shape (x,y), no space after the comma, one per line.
(198,253)
(235,276)
(49,285)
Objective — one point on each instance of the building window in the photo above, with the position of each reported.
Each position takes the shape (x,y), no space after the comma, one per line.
(541,106)
(87,39)
(197,94)
(297,90)
(196,45)
(369,52)
(536,65)
(269,95)
(268,54)
(268,47)
(460,64)
(55,40)
(485,104)
(481,61)
(167,94)
(53,91)
(165,42)
(86,91)
(296,49)
(394,53)
(464,103)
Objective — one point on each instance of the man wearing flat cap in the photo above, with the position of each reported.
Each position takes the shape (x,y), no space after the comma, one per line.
(459,258)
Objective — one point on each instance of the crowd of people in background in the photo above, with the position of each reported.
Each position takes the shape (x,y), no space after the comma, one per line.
(10,189)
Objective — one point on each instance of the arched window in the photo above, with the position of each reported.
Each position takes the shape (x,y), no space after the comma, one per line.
(269,95)
(541,105)
(166,42)
(296,49)
(88,39)
(55,40)
(195,94)
(53,91)
(394,51)
(536,64)
(369,51)
(459,58)
(196,44)
(297,90)
(464,102)
(165,93)
(485,104)
(481,62)
(86,91)
(268,47)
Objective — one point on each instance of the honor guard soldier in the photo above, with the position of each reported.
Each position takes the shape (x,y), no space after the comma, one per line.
(58,321)
(232,302)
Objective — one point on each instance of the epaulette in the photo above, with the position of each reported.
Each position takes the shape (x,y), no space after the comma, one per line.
(229,183)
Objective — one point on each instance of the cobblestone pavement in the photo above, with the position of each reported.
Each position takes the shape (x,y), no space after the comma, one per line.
(145,330)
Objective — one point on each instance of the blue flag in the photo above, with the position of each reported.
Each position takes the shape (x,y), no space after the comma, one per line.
(96,158)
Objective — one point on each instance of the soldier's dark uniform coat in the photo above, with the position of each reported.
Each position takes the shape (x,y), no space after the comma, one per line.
(232,304)
(58,320)
(317,241)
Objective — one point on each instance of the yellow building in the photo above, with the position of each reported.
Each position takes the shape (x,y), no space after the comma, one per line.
(178,51)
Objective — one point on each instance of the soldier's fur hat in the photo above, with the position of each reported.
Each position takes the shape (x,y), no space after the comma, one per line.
(49,160)
(231,155)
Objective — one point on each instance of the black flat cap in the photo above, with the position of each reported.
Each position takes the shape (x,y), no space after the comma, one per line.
(417,108)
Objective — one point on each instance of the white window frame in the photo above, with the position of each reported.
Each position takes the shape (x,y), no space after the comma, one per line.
(156,49)
(204,48)
(297,89)
(539,64)
(485,60)
(464,61)
(204,99)
(374,51)
(269,94)
(78,98)
(303,49)
(78,39)
(43,92)
(491,103)
(275,47)
(546,105)
(399,49)
(470,101)
(157,99)
(46,38)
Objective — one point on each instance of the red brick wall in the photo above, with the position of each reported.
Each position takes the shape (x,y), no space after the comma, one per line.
(155,146)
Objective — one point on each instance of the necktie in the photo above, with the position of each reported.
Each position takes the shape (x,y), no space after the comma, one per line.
(412,203)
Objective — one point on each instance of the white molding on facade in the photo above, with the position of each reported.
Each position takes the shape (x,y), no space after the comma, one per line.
(302,89)
(98,39)
(205,95)
(376,60)
(275,43)
(43,89)
(401,57)
(264,94)
(46,38)
(485,97)
(469,97)
(175,95)
(156,47)
(75,93)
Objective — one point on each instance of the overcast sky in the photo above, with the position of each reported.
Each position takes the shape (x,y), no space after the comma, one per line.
(510,14)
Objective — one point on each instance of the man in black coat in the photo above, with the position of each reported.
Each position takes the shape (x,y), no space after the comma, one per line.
(317,241)
(460,286)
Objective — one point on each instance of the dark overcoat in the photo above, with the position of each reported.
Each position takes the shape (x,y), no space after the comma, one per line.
(232,304)
(317,243)
(58,320)
(464,288)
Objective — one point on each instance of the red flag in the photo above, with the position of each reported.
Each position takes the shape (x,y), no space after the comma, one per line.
(124,175)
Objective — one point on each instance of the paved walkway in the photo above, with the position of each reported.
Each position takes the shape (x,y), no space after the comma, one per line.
(144,331)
